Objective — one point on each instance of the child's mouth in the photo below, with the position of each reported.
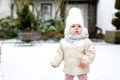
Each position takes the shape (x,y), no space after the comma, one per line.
(76,31)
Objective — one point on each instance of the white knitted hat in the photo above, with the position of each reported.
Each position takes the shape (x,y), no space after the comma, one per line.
(74,17)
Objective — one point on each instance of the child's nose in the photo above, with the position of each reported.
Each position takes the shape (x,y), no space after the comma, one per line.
(76,27)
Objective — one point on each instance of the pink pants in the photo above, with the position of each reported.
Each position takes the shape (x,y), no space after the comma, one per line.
(80,77)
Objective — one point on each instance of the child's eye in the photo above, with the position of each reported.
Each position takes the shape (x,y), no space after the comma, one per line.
(73,26)
(79,26)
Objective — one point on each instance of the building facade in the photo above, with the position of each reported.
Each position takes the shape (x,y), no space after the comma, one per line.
(97,13)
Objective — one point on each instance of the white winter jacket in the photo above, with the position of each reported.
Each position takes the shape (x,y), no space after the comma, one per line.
(72,54)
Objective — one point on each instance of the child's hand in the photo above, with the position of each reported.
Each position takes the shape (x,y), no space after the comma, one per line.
(82,64)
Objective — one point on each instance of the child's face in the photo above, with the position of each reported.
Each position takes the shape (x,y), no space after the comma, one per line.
(75,29)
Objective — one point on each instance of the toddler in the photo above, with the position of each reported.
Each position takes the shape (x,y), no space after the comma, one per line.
(76,49)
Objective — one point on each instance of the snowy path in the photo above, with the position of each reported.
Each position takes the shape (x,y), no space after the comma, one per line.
(33,62)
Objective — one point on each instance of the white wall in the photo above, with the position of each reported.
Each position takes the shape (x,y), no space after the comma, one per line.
(4,8)
(105,13)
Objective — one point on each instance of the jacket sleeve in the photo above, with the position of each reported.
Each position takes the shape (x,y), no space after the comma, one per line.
(89,53)
(58,58)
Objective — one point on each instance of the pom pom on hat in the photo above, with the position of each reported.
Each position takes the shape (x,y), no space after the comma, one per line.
(74,11)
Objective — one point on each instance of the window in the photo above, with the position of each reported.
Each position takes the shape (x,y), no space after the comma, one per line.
(46,11)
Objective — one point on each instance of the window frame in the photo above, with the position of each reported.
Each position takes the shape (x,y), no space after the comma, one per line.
(42,11)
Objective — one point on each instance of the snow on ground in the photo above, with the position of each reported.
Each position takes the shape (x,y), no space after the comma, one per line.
(26,62)
(106,64)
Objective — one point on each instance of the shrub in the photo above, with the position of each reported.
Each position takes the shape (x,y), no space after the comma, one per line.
(116,20)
